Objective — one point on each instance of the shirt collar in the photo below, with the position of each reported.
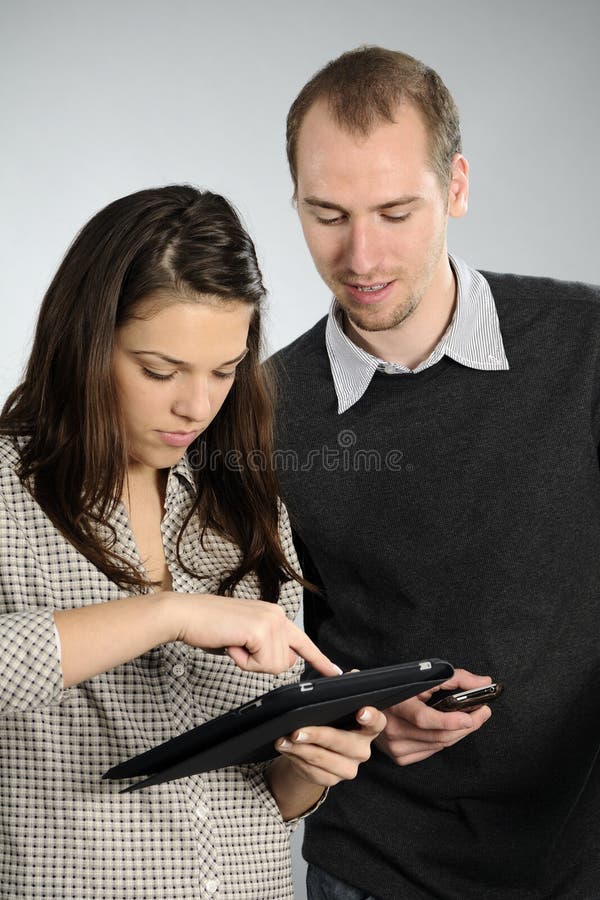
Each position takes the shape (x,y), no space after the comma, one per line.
(182,471)
(472,339)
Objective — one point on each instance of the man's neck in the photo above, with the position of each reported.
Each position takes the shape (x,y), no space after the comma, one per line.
(413,341)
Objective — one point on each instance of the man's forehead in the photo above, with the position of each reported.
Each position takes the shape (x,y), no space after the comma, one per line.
(390,152)
(322,116)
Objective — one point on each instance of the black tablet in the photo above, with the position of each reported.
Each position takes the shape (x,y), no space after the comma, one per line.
(246,734)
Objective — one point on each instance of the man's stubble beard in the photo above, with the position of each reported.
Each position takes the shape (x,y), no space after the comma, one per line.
(405,308)
(394,318)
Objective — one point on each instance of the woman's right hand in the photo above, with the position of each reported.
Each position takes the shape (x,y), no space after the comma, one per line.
(257,635)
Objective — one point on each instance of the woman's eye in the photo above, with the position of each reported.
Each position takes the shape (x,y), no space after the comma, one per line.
(156,375)
(228,375)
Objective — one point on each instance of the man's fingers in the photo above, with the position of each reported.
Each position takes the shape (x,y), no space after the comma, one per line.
(463,680)
(410,742)
(414,713)
(431,724)
(417,757)
(480,716)
(432,719)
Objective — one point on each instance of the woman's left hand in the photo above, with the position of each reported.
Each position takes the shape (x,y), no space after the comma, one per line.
(318,757)
(325,755)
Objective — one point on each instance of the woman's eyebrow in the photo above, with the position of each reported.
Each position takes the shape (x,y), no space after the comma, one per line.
(163,356)
(239,358)
(181,362)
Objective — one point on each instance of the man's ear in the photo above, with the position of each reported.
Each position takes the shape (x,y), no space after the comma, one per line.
(458,191)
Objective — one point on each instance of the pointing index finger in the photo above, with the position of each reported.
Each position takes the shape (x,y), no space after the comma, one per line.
(309,652)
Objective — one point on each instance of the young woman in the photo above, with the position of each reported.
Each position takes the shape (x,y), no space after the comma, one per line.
(148,579)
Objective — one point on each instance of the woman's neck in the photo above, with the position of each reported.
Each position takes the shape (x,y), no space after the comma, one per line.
(143,498)
(143,486)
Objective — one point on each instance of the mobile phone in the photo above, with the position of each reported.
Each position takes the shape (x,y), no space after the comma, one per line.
(466,700)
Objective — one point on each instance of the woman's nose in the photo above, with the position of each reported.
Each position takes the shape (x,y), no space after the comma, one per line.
(193,401)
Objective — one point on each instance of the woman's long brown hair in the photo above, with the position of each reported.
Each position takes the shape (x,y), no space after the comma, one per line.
(65,417)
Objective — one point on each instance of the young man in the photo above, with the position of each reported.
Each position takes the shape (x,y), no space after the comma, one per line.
(439,438)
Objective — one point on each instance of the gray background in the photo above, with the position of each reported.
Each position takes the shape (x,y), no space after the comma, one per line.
(101,99)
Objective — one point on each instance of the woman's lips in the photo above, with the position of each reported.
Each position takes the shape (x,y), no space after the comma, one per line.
(177,438)
(370,293)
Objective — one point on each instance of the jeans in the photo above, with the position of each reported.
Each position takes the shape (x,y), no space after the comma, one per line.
(321,885)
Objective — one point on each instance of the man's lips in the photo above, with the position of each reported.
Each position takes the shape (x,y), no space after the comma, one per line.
(177,438)
(369,293)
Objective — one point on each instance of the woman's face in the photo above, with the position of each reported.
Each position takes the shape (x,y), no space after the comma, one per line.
(174,365)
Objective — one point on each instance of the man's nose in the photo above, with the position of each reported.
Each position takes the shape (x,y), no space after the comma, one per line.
(364,251)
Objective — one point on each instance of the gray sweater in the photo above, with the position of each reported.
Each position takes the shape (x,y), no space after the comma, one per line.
(456,513)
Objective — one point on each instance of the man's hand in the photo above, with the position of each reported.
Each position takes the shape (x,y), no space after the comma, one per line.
(415,731)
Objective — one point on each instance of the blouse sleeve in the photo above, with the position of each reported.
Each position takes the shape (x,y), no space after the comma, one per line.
(254,773)
(30,671)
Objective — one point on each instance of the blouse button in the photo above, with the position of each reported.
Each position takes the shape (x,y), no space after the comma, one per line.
(178,670)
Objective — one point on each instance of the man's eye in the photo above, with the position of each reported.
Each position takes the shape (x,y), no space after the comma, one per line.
(334,221)
(156,375)
(402,218)
(330,220)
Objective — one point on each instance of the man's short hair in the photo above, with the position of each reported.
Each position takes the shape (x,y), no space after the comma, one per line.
(364,87)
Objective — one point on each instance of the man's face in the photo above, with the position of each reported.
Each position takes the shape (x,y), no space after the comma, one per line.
(374,214)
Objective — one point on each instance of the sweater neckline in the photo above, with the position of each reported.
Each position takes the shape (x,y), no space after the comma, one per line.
(414,380)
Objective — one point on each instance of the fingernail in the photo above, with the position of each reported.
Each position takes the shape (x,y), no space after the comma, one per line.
(365,716)
(301,736)
(338,670)
(283,744)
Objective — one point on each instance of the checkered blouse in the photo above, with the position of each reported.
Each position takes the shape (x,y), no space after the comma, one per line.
(65,832)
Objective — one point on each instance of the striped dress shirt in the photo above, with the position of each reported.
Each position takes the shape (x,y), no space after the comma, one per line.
(473,339)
